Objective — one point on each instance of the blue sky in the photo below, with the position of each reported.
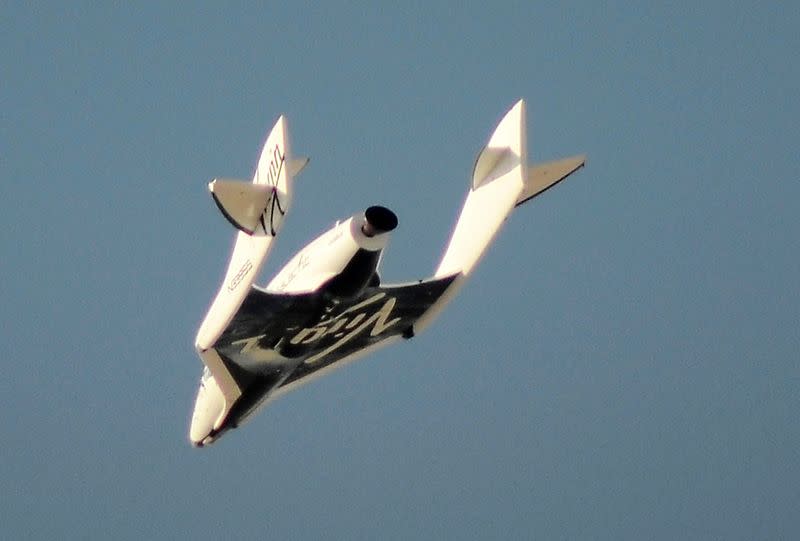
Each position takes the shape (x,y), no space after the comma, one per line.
(624,364)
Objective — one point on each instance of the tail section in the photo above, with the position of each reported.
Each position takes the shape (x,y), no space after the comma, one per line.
(501,181)
(497,182)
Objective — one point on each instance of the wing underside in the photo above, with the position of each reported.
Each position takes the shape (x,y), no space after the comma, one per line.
(282,339)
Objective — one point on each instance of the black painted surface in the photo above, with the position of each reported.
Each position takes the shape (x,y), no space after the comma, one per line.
(356,275)
(313,331)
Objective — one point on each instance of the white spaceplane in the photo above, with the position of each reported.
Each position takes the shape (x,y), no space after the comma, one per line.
(327,306)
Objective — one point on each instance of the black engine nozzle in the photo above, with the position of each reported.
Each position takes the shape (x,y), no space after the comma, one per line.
(378,220)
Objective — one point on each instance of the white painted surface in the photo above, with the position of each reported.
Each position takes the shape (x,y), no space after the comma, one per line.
(488,205)
(325,257)
(250,251)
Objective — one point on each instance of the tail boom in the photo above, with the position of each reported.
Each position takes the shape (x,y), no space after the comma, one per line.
(501,181)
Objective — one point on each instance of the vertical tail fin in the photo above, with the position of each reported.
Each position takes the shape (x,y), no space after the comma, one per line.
(497,182)
(251,250)
(501,181)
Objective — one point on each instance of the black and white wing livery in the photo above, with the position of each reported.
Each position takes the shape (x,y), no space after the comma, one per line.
(288,338)
(277,342)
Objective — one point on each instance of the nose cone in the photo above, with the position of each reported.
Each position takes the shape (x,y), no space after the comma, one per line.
(378,220)
(210,404)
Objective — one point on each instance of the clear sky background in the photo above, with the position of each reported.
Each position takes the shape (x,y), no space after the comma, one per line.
(624,364)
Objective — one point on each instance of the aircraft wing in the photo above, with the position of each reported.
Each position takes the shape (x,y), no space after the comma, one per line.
(287,338)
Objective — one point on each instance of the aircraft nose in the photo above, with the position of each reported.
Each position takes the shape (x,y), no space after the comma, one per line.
(201,427)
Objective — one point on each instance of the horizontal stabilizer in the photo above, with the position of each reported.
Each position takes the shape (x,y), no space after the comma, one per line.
(296,165)
(243,204)
(546,175)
